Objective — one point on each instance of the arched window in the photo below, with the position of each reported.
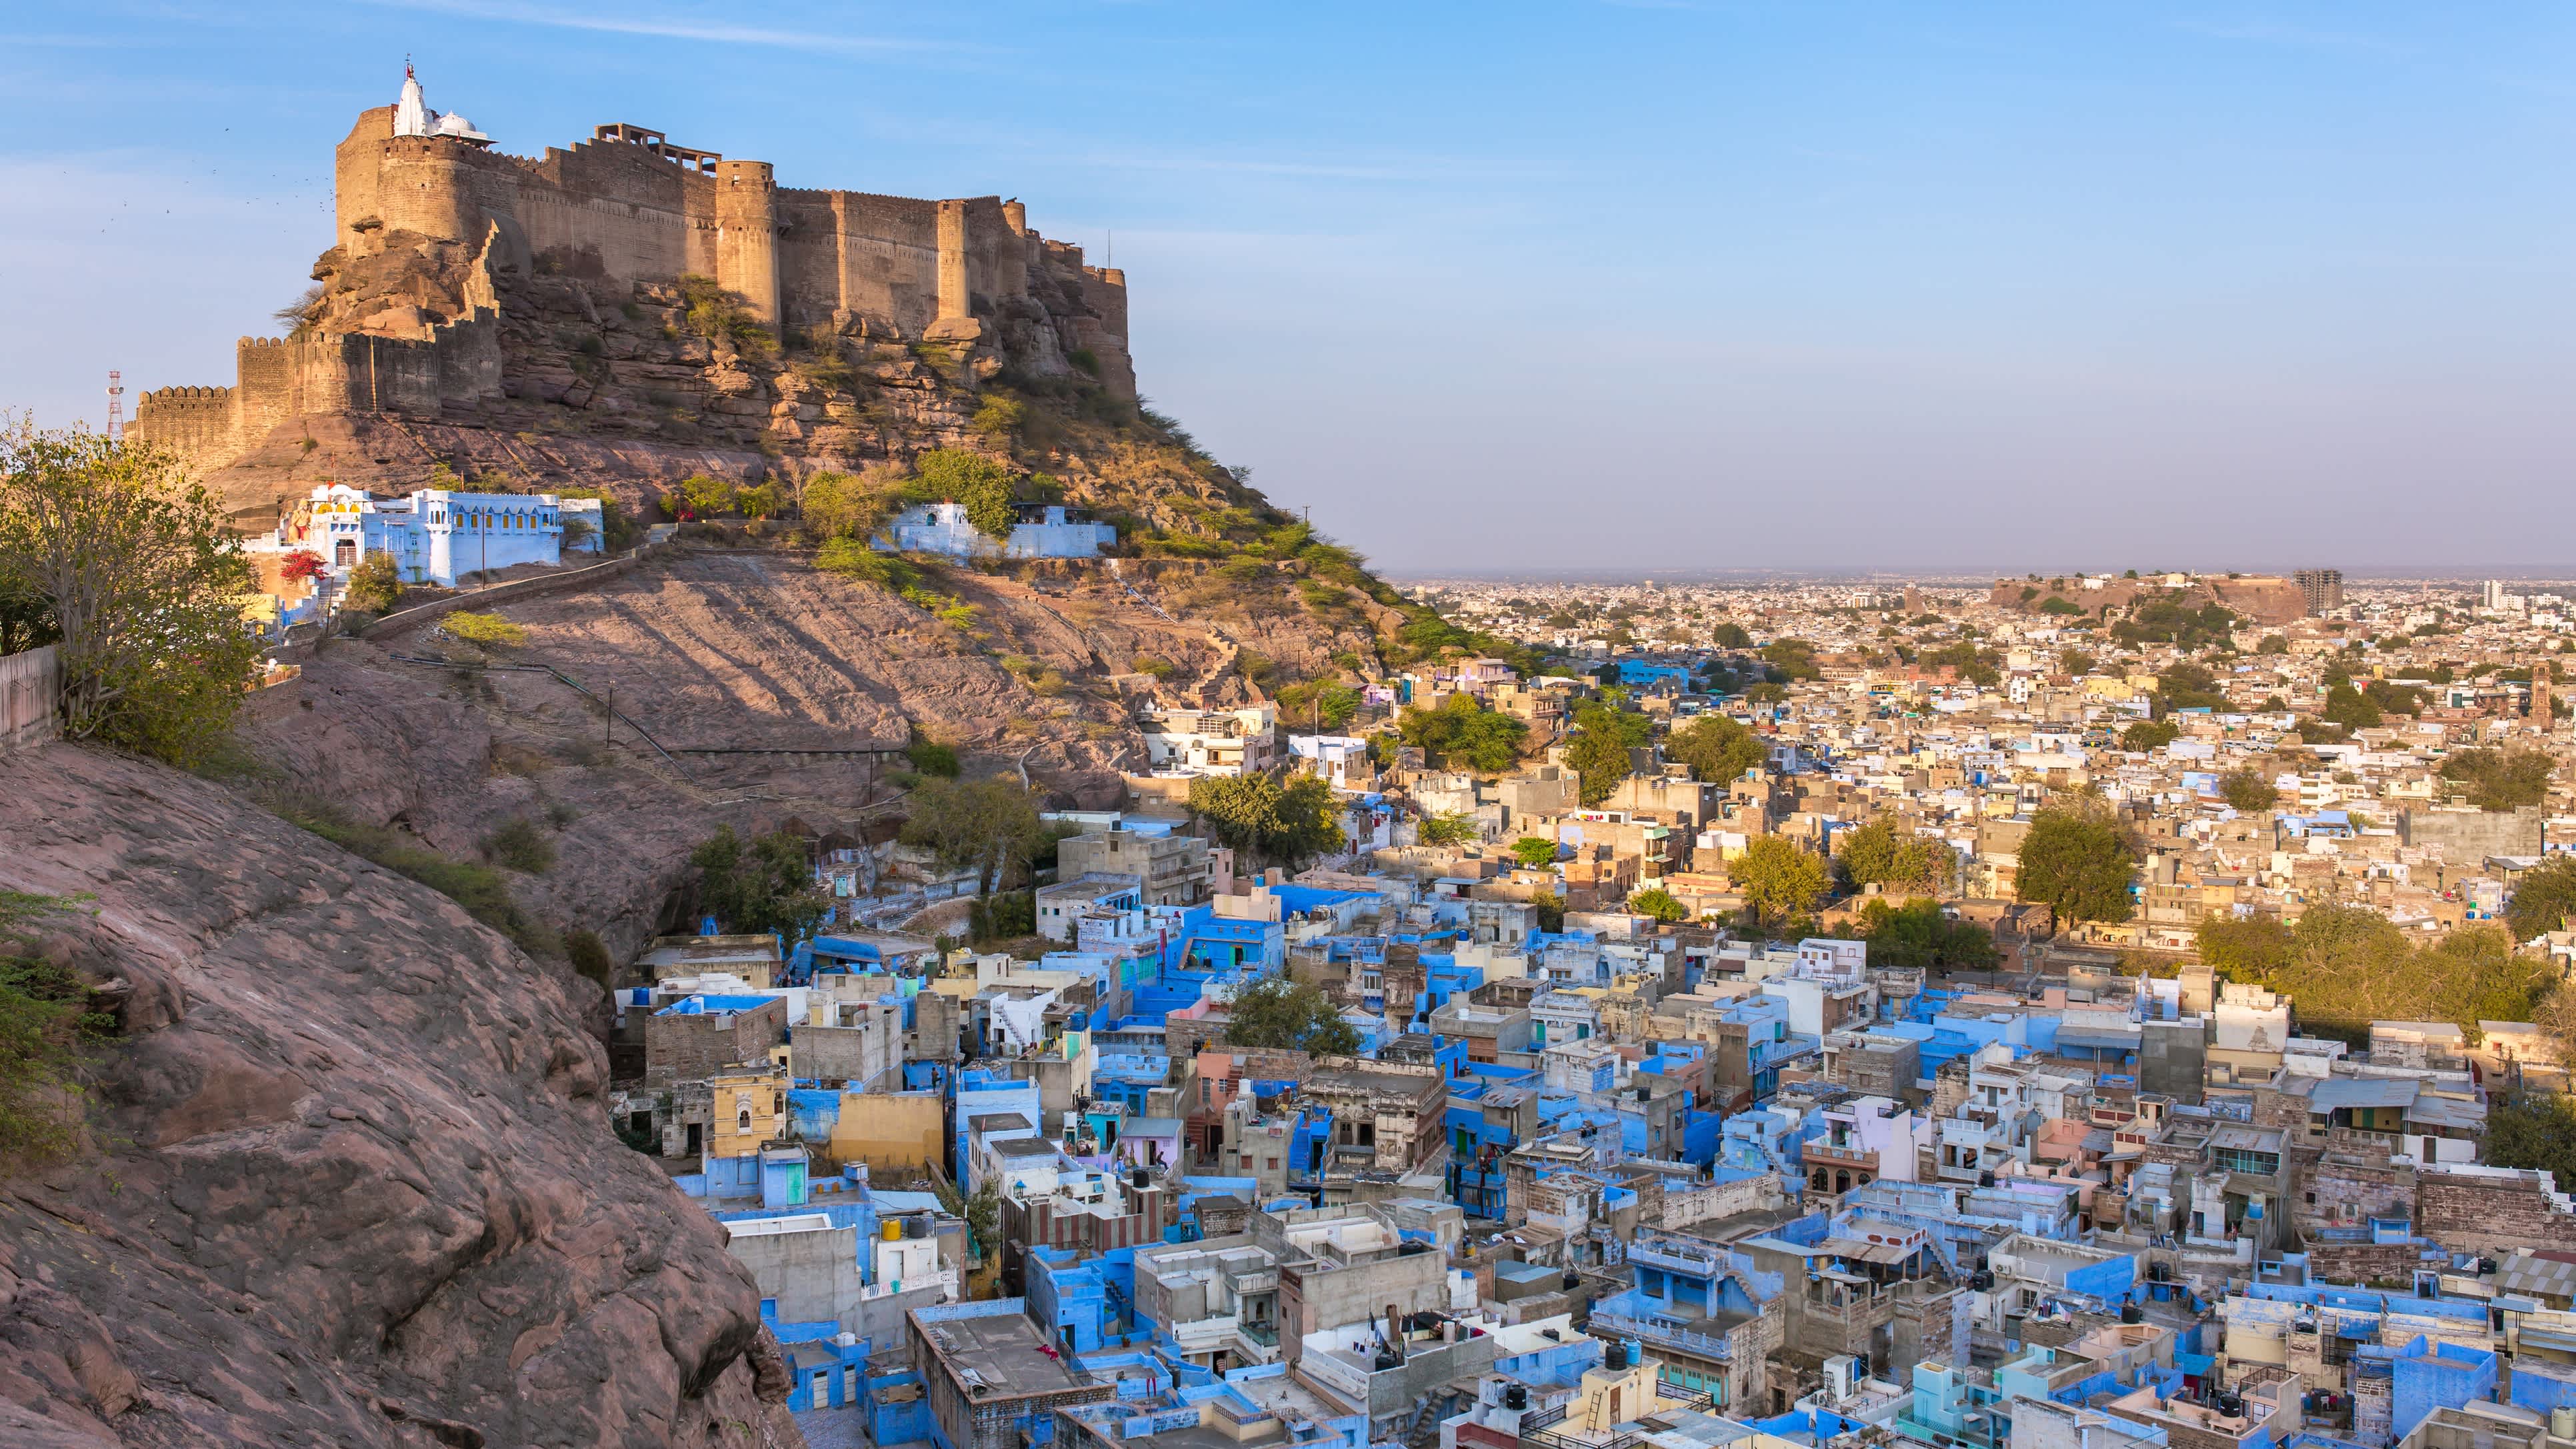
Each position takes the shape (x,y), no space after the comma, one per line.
(742,1119)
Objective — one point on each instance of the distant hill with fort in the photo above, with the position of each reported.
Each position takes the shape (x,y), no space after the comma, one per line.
(629,310)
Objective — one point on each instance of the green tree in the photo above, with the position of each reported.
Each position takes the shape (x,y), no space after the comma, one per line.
(1264,820)
(2350,965)
(2272,644)
(2543,898)
(2350,708)
(2533,1130)
(1716,748)
(1659,904)
(707,495)
(2501,779)
(1977,666)
(989,826)
(2251,949)
(109,550)
(1791,659)
(983,1216)
(1598,750)
(1780,880)
(2078,861)
(1446,830)
(2166,620)
(2248,790)
(1534,851)
(1550,908)
(1876,854)
(375,585)
(987,488)
(1287,1015)
(1727,635)
(1920,934)
(2149,734)
(758,886)
(1463,734)
(2188,686)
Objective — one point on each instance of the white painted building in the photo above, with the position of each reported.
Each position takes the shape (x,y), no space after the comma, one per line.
(1211,741)
(1043,530)
(437,534)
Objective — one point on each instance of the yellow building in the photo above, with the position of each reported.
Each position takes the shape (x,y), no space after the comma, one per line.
(750,1109)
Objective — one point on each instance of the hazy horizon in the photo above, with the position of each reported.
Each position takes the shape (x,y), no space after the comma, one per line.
(1524,289)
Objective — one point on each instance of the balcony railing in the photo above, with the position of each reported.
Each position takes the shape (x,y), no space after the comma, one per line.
(1675,1256)
(1847,1156)
(1698,1345)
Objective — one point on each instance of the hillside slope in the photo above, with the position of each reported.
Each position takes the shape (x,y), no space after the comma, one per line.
(352,1178)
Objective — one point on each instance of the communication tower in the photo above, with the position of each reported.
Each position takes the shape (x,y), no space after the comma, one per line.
(115,406)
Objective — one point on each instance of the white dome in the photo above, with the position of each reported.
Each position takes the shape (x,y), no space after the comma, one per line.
(413,117)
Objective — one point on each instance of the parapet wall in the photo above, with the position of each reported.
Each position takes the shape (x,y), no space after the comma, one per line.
(281,378)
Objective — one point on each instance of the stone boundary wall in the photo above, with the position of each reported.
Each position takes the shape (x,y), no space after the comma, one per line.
(2491,1210)
(404,619)
(31,687)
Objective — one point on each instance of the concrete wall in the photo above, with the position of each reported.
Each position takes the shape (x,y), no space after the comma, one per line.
(678,1048)
(813,1275)
(890,1129)
(2466,837)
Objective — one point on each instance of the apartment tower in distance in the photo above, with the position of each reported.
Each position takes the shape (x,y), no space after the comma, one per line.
(2322,588)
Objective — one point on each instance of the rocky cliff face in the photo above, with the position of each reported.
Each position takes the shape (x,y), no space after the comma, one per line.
(754,650)
(629,387)
(352,1180)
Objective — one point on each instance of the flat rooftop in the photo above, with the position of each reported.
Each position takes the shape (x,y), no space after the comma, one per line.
(1002,1350)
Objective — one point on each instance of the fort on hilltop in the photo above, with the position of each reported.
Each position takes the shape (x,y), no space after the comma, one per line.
(427,200)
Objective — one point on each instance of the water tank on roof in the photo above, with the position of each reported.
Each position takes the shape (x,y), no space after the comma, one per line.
(893,1229)
(916,1227)
(1645,1093)
(1515,1396)
(1142,1178)
(2131,1313)
(1573,1280)
(2562,1422)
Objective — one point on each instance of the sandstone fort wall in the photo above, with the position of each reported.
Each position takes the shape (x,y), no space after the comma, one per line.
(802,256)
(623,211)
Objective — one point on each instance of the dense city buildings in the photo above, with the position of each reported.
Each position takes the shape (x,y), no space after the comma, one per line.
(2072,1009)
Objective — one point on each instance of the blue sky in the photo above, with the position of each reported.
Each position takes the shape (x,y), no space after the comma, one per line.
(1511,286)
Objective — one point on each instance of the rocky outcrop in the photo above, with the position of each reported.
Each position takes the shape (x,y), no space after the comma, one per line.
(351,1179)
